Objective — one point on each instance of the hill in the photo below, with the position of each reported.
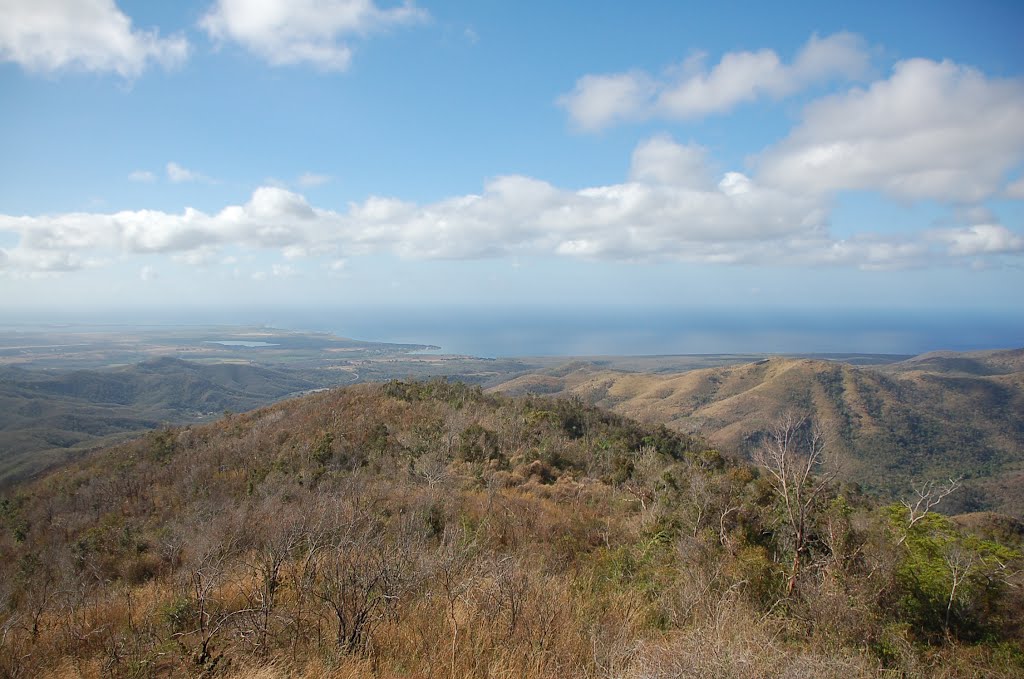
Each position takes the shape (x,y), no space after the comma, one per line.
(977,363)
(47,416)
(934,416)
(431,529)
(51,415)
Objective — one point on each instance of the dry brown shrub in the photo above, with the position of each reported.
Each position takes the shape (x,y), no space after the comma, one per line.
(737,642)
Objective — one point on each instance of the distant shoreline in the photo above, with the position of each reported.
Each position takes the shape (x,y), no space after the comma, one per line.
(547,331)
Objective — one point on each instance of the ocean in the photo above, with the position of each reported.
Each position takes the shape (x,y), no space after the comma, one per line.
(500,331)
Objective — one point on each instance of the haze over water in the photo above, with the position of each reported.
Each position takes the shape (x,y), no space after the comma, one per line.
(524,331)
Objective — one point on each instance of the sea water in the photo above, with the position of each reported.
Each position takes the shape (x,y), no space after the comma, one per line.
(497,331)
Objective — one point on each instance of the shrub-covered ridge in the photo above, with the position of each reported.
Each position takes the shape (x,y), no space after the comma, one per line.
(421,529)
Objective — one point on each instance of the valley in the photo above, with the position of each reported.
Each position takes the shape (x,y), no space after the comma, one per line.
(894,420)
(67,390)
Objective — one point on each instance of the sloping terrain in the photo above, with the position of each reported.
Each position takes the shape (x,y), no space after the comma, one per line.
(47,415)
(934,416)
(415,529)
(977,363)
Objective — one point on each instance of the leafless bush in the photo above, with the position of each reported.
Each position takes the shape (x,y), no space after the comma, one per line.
(360,576)
(796,456)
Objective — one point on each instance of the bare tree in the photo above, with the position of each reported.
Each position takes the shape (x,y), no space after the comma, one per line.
(209,615)
(960,563)
(432,467)
(795,455)
(280,529)
(359,577)
(645,481)
(926,497)
(451,568)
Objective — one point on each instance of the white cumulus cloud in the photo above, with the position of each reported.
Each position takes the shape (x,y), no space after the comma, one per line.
(672,206)
(980,239)
(931,130)
(660,160)
(202,256)
(692,91)
(90,35)
(599,101)
(288,32)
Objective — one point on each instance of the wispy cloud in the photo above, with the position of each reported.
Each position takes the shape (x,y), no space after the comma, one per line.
(178,174)
(142,176)
(311,179)
(1015,189)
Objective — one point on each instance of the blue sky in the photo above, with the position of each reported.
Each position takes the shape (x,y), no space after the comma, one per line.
(234,152)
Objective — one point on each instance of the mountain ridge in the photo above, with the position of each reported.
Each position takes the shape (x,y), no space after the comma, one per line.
(425,528)
(925,417)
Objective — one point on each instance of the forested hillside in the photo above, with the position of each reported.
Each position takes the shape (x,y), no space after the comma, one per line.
(429,529)
(935,417)
(50,416)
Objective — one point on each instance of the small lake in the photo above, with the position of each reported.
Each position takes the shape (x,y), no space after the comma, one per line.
(241,343)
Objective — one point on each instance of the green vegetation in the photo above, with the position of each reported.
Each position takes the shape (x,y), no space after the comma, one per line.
(952,583)
(419,529)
